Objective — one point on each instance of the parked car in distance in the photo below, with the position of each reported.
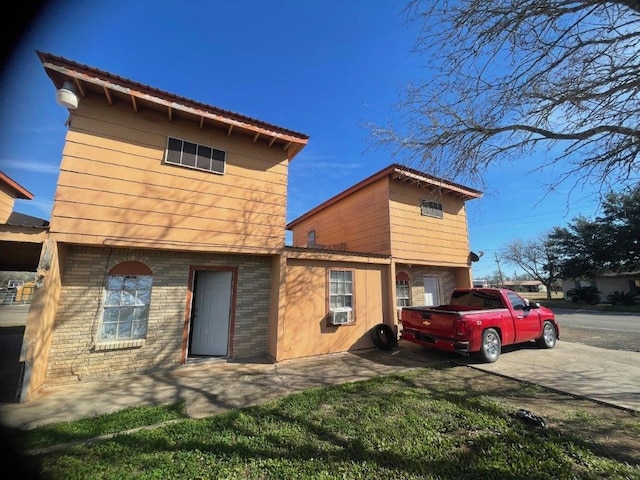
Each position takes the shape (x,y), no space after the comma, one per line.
(480,321)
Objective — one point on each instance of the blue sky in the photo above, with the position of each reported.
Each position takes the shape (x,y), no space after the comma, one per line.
(325,68)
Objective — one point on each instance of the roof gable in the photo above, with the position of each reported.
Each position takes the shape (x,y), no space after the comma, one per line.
(400,173)
(138,95)
(17,190)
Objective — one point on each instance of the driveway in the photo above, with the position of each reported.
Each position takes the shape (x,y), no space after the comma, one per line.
(603,375)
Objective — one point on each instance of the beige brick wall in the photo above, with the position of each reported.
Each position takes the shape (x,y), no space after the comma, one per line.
(73,356)
(446,282)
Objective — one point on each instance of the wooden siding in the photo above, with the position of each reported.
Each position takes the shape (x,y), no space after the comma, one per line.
(358,223)
(41,319)
(115,189)
(423,239)
(6,204)
(305,326)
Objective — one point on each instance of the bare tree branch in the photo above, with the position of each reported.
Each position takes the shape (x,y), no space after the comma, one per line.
(507,78)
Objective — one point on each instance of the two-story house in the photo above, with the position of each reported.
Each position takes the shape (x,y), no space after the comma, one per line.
(167,218)
(415,222)
(167,241)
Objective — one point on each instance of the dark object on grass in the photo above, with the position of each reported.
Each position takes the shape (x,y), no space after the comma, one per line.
(529,418)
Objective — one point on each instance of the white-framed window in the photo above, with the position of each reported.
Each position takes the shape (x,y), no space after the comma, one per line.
(403,293)
(340,289)
(126,303)
(192,155)
(429,208)
(311,238)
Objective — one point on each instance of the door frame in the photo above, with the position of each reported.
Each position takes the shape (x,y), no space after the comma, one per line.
(186,332)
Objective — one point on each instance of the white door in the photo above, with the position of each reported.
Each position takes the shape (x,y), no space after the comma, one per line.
(431,296)
(211,313)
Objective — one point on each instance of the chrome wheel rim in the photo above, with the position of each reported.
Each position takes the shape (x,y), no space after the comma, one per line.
(491,344)
(549,334)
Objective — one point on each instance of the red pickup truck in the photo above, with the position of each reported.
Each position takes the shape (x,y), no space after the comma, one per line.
(480,320)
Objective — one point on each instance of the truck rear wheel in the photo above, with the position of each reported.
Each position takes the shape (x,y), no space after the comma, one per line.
(549,336)
(491,346)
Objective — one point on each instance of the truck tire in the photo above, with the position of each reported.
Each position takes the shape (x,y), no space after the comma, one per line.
(549,336)
(491,346)
(383,336)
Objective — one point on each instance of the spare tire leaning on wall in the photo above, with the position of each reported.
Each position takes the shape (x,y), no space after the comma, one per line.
(383,336)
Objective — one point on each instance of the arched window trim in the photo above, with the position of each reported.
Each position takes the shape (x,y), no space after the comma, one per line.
(127,300)
(131,267)
(403,289)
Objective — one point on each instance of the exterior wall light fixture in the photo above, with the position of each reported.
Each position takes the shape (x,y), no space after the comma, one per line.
(66,96)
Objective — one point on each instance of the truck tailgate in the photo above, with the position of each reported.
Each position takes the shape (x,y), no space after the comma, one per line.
(429,321)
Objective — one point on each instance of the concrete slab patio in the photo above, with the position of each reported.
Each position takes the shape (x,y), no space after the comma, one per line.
(607,376)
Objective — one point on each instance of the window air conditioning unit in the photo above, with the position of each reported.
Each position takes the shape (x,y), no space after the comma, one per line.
(340,316)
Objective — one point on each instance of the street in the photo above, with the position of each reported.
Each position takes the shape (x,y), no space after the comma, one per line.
(614,331)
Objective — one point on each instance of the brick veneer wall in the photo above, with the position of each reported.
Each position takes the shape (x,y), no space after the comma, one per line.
(446,282)
(73,355)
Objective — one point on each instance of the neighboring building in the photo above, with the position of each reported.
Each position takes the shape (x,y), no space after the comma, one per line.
(417,220)
(21,236)
(515,285)
(607,284)
(524,285)
(167,241)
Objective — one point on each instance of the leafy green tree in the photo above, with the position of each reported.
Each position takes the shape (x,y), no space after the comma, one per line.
(538,258)
(509,80)
(609,243)
(621,230)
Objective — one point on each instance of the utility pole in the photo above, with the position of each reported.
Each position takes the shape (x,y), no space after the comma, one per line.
(500,282)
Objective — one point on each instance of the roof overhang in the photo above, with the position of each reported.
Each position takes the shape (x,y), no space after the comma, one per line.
(113,88)
(399,173)
(17,190)
(423,180)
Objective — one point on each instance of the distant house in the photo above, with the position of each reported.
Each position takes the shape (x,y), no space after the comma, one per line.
(167,241)
(524,285)
(515,285)
(21,236)
(606,284)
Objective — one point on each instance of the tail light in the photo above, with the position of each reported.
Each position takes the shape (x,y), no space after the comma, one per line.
(462,327)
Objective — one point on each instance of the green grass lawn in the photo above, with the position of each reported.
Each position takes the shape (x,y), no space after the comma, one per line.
(428,424)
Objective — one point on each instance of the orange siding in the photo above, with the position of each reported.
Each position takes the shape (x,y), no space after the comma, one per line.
(114,187)
(422,239)
(305,327)
(359,221)
(6,205)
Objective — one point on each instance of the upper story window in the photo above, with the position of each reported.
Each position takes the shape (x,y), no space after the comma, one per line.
(431,209)
(192,155)
(126,302)
(311,238)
